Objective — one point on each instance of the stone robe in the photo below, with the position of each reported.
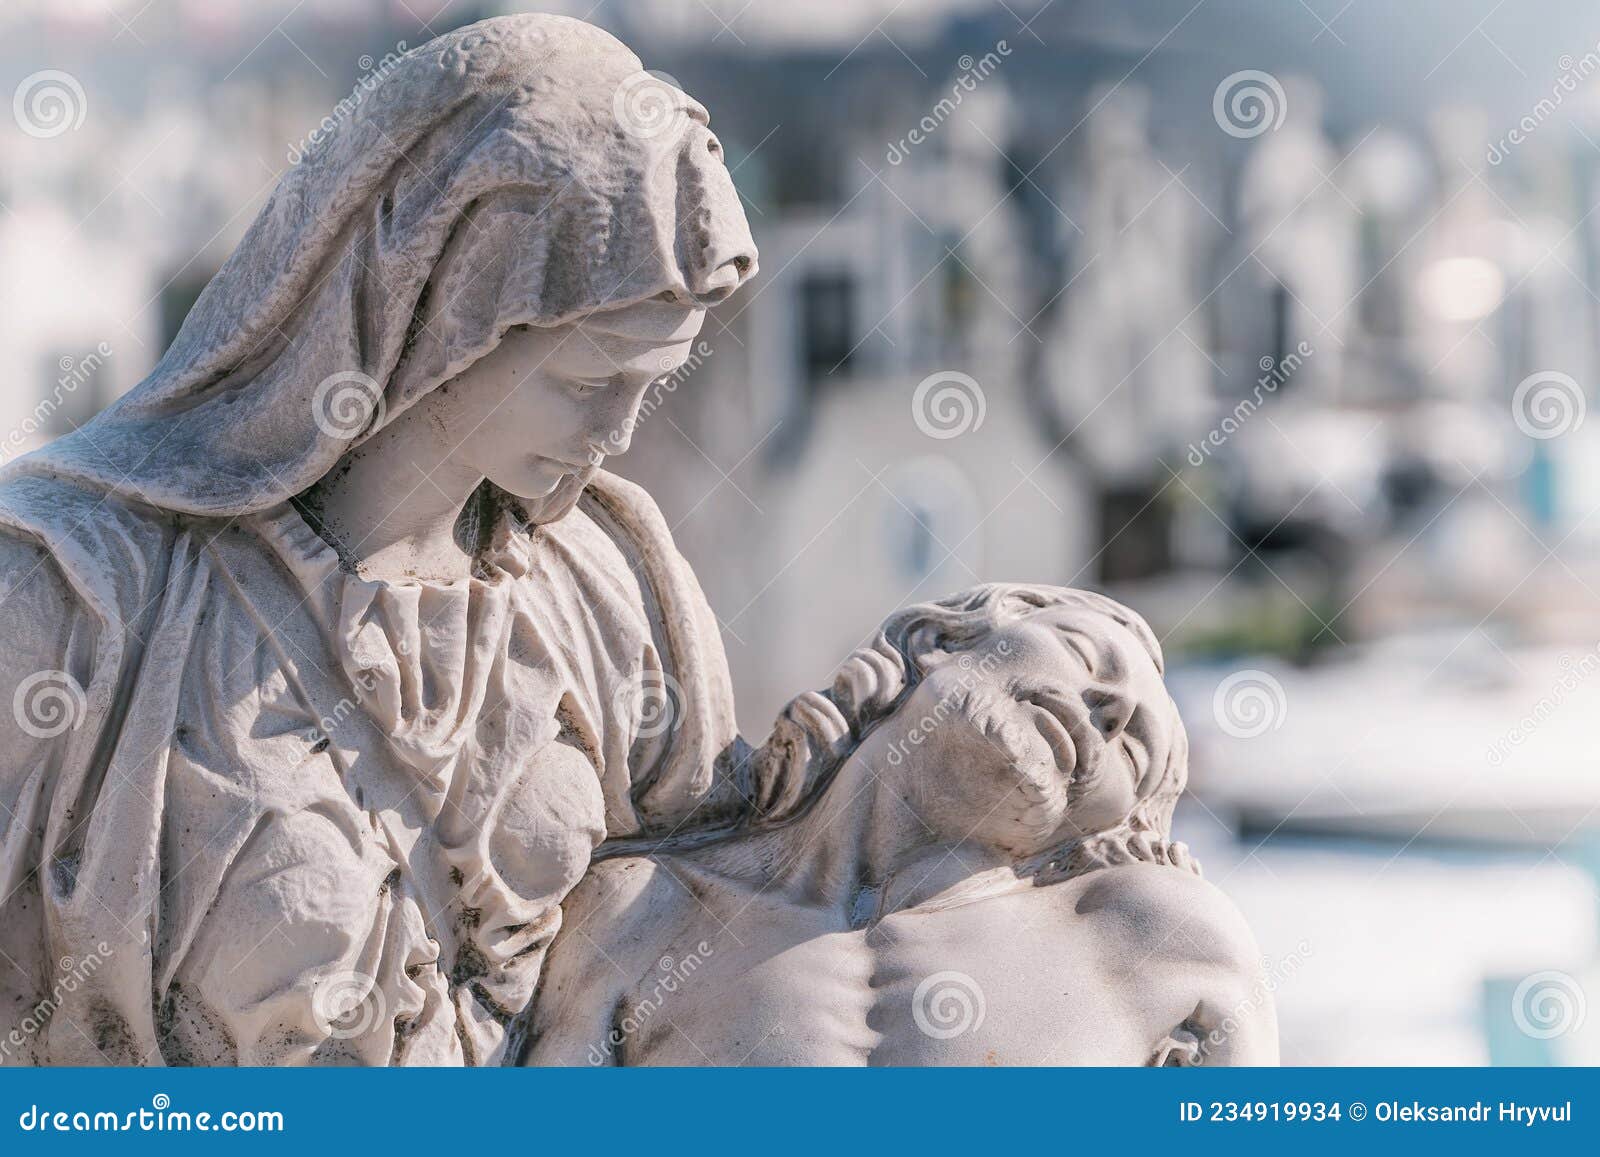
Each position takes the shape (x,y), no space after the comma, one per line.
(257,810)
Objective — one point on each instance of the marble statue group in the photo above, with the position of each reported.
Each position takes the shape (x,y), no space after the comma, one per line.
(360,716)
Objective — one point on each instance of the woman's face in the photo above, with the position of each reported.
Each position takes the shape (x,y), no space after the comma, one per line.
(546,403)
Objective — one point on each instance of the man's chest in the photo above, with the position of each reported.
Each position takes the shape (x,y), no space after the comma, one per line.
(1010,980)
(763,991)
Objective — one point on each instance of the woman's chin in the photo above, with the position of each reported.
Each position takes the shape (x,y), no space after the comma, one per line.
(535,484)
(542,487)
(538,485)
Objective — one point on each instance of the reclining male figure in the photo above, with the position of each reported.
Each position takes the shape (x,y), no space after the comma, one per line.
(963,856)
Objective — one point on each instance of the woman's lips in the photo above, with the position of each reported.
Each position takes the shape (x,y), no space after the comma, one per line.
(563,465)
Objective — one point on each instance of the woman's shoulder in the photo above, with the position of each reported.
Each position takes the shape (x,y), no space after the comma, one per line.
(626,513)
(40,616)
(33,587)
(78,543)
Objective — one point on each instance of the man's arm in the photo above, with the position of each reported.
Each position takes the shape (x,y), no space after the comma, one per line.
(1200,956)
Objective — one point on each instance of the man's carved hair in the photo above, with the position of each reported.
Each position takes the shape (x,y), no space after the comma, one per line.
(818,730)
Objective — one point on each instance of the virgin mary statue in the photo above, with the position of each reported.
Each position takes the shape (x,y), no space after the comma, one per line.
(332,652)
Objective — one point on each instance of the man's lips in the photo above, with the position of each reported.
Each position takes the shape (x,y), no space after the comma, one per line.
(1063,728)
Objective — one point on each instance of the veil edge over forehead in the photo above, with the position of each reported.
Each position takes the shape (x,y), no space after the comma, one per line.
(522,170)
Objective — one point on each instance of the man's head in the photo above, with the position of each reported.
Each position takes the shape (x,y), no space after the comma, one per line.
(1019,716)
(1054,725)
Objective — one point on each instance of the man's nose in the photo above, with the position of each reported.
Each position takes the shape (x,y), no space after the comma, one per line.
(1110,710)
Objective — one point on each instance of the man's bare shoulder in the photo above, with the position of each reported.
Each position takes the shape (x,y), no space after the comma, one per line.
(631,906)
(1169,911)
(612,902)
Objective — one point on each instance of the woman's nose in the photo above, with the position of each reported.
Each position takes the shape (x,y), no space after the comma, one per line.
(612,433)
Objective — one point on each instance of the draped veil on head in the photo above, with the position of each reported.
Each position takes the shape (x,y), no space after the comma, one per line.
(522,170)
